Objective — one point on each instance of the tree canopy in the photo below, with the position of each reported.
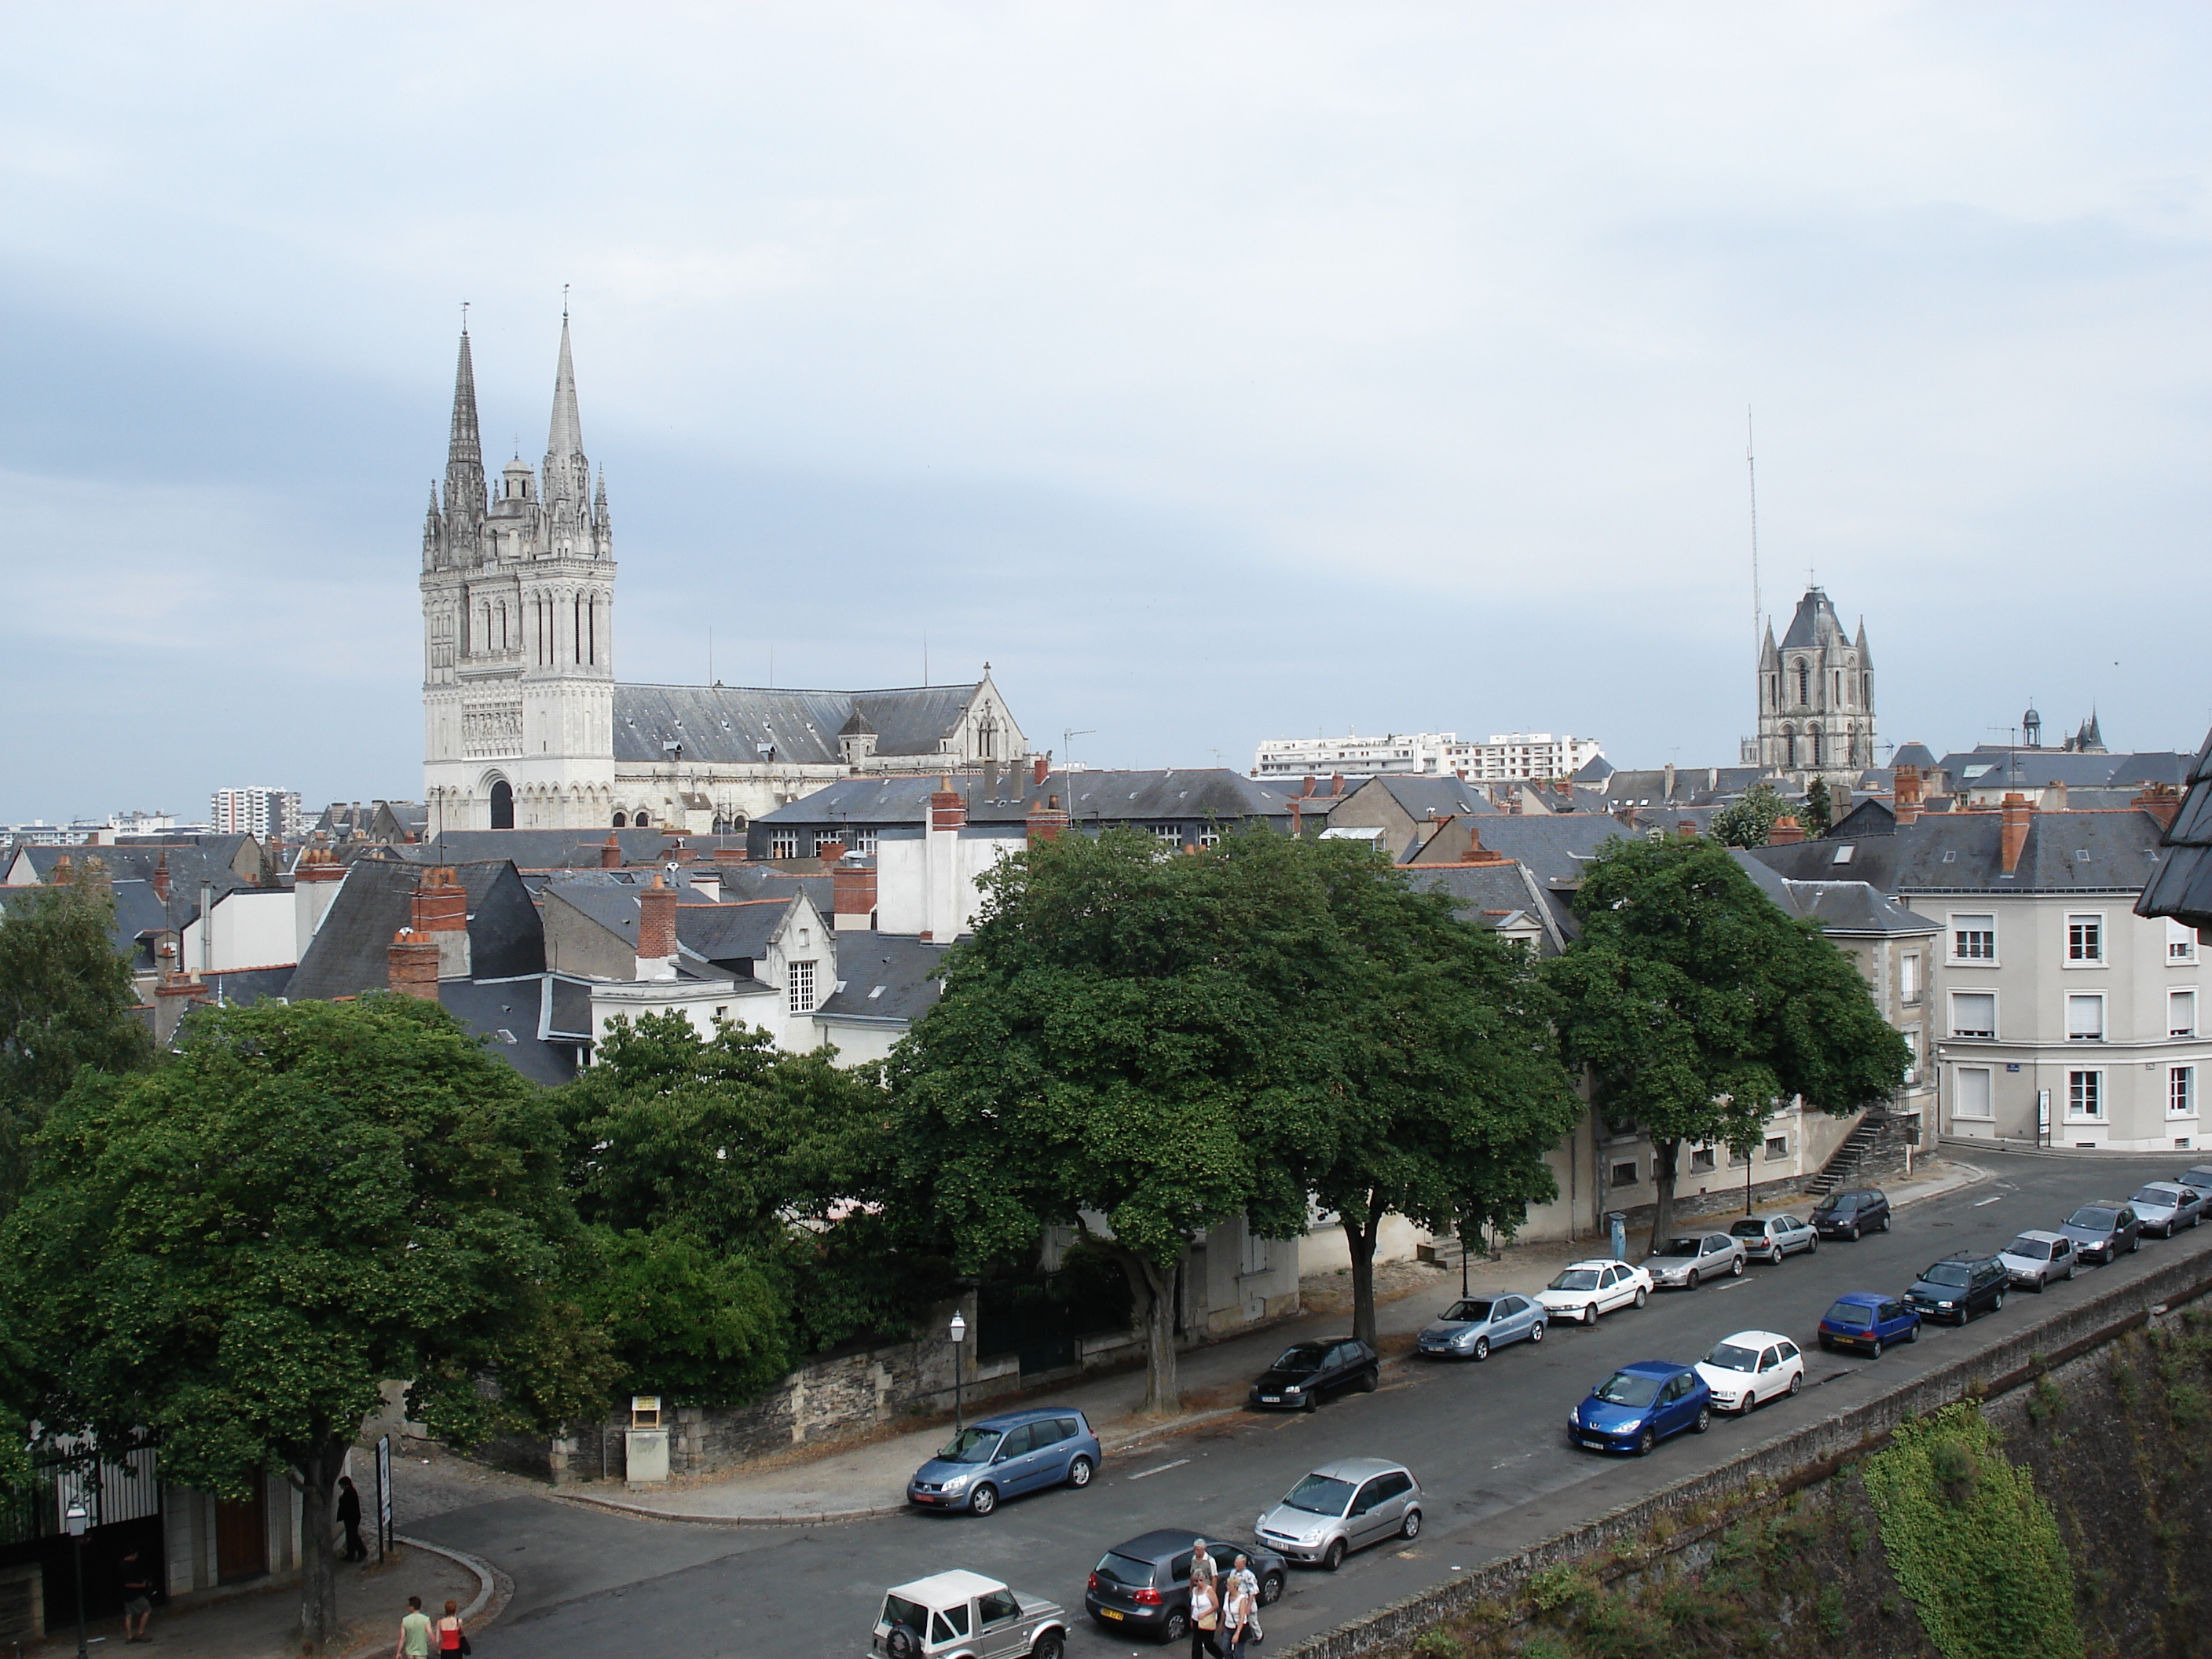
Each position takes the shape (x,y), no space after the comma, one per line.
(236,1249)
(1748,821)
(1697,1004)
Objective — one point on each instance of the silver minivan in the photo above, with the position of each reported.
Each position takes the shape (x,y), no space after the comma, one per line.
(1341,1507)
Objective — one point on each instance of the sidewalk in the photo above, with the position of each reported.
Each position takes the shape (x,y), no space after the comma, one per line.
(849,1483)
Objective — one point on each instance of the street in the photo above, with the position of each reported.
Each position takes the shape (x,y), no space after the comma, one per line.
(1487,1442)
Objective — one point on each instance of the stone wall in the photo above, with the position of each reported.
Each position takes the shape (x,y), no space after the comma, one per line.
(22,1603)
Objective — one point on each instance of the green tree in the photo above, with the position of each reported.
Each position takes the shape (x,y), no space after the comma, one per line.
(1819,812)
(236,1249)
(699,1325)
(1119,1050)
(1696,1004)
(1749,820)
(65,1003)
(1448,1087)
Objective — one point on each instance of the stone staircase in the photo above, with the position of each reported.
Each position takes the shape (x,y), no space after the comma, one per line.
(1877,1146)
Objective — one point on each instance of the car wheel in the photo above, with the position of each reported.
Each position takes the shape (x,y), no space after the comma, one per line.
(1704,1420)
(1312,1400)
(1774,1256)
(1796,1382)
(1884,1227)
(1050,1645)
(1877,1347)
(2070,1272)
(2134,1244)
(1913,1335)
(1536,1332)
(1589,1314)
(1079,1473)
(1645,1442)
(983,1499)
(1175,1630)
(1371,1380)
(1690,1283)
(1271,1589)
(1853,1235)
(1814,1246)
(1481,1348)
(1750,1403)
(1997,1306)
(1333,1557)
(1411,1528)
(1643,1296)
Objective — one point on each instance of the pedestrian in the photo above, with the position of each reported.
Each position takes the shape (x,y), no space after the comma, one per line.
(1204,1604)
(1243,1573)
(415,1632)
(452,1639)
(138,1597)
(1237,1620)
(349,1518)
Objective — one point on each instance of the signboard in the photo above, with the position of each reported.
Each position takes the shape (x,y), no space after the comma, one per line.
(383,1495)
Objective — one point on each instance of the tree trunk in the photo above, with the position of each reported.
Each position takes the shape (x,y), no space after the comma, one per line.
(1667,1153)
(1360,1240)
(316,1471)
(1154,1294)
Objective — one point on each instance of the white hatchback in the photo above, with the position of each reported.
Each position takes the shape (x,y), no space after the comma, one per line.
(1584,1290)
(1750,1366)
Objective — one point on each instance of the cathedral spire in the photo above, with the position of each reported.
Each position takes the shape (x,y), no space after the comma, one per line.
(465,474)
(566,474)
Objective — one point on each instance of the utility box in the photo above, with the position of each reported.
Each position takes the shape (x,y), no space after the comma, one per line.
(1617,1224)
(646,1455)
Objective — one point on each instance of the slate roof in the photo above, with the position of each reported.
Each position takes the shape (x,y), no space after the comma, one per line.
(1840,907)
(734,930)
(506,1013)
(140,918)
(2182,885)
(188,865)
(726,724)
(1805,626)
(1993,769)
(350,953)
(2065,852)
(1189,795)
(1422,798)
(1597,769)
(545,849)
(1913,754)
(1556,848)
(1869,818)
(887,979)
(1484,895)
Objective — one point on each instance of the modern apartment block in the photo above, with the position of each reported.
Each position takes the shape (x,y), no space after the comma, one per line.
(1502,757)
(264,813)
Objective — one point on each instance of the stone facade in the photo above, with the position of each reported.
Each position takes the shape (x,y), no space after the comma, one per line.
(1816,698)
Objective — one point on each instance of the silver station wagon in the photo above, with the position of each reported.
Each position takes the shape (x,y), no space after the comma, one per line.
(1770,1238)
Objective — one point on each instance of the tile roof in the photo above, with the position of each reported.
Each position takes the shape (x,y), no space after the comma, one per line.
(506,1014)
(2065,852)
(1439,797)
(1993,769)
(350,951)
(2182,885)
(728,725)
(886,978)
(1183,795)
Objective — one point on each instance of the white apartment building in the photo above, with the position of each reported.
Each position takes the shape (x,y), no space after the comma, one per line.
(260,812)
(1509,754)
(1503,756)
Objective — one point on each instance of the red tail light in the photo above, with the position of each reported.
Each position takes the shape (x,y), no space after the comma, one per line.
(1148,1598)
(1093,1584)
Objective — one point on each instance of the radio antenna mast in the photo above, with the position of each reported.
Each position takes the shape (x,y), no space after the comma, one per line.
(1751,474)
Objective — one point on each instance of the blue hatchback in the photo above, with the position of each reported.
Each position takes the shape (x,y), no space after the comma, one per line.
(1869,1321)
(1639,1406)
(1001,1456)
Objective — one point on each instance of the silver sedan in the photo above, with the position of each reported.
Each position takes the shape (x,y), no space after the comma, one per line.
(1770,1238)
(1685,1263)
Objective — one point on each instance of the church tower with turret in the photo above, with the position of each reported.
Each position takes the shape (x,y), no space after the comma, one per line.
(1816,698)
(518,629)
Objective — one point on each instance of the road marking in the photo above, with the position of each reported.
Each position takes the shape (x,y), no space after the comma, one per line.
(1161,1469)
(1978,1202)
(1733,1284)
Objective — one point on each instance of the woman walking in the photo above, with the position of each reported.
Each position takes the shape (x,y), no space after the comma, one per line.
(452,1640)
(1204,1604)
(1242,1607)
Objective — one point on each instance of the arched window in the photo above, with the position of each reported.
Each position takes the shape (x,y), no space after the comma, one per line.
(1804,683)
(1789,746)
(1815,735)
(618,820)
(502,806)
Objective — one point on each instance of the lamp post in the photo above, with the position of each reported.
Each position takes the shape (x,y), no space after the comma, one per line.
(959,1334)
(77,1520)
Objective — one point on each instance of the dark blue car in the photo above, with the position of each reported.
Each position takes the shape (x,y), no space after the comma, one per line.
(1003,1456)
(1639,1406)
(1868,1322)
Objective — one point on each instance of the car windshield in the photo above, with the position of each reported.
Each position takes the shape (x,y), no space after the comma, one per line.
(2158,1195)
(1729,1358)
(972,1446)
(2035,1249)
(1838,1201)
(2090,1219)
(1855,1315)
(1945,1273)
(1749,1227)
(1306,1356)
(1576,1278)
(1681,1246)
(1321,1494)
(1125,1570)
(1628,1388)
(897,1611)
(1468,1312)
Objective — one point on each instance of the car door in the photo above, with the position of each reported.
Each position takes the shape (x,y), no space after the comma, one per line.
(2062,1257)
(1015,1469)
(1510,1318)
(1363,1523)
(998,1631)
(1053,1440)
(1674,1410)
(1178,1589)
(1893,1320)
(1796,1234)
(1721,1248)
(1343,1365)
(1609,1293)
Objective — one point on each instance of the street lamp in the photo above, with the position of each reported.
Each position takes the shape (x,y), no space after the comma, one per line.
(959,1334)
(77,1520)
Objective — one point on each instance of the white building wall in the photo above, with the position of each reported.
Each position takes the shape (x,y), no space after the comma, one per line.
(248,928)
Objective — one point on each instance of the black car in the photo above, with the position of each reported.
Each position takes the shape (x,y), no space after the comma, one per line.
(1307,1371)
(1959,1286)
(1143,1587)
(2103,1228)
(1854,1211)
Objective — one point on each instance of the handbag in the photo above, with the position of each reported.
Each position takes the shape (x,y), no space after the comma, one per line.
(465,1649)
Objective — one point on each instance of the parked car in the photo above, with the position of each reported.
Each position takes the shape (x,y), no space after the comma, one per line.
(1770,1237)
(2036,1258)
(966,1613)
(1343,1507)
(1583,1290)
(1472,1326)
(1750,1366)
(2165,1207)
(1305,1371)
(1959,1286)
(1143,1586)
(1001,1456)
(1639,1406)
(2103,1230)
(1683,1264)
(1869,1322)
(1848,1214)
(2199,1180)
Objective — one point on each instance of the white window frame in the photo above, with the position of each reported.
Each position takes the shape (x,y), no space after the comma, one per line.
(2180,1092)
(2178,1024)
(2180,944)
(1953,925)
(2085,1086)
(1988,1104)
(1909,981)
(1711,1156)
(798,985)
(863,844)
(1254,1254)
(1632,1166)
(2092,923)
(783,844)
(1778,1149)
(1210,837)
(1911,1035)
(2083,999)
(1956,1031)
(1168,834)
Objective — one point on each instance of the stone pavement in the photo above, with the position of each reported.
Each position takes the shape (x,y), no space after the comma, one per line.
(851,1481)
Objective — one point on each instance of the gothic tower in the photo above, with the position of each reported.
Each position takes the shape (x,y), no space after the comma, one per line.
(1816,698)
(518,629)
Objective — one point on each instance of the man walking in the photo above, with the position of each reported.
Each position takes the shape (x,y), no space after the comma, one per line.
(415,1632)
(138,1597)
(349,1518)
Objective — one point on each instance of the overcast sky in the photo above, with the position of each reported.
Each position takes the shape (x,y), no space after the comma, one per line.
(1216,372)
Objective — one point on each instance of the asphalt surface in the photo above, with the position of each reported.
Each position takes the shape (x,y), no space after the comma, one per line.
(1488,1442)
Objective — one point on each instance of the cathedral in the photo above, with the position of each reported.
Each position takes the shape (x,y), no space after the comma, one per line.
(524,725)
(1816,698)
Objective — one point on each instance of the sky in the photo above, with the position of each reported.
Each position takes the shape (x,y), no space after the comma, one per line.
(1215,372)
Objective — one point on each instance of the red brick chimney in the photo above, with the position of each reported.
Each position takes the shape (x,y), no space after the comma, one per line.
(1686,829)
(611,852)
(656,931)
(2019,812)
(441,905)
(411,965)
(853,897)
(829,851)
(1040,770)
(161,878)
(1908,793)
(1046,820)
(1787,832)
(1476,852)
(2162,801)
(1336,783)
(948,807)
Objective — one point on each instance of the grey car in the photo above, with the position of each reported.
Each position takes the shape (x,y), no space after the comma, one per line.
(1770,1238)
(2036,1258)
(1683,1264)
(1341,1507)
(2165,1207)
(1473,1326)
(2103,1230)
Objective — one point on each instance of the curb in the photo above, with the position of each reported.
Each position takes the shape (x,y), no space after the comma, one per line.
(495,1590)
(1975,1175)
(643,1512)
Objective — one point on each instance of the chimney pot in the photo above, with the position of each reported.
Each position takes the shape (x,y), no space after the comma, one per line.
(2018,812)
(1786,832)
(411,965)
(1040,770)
(2162,801)
(656,931)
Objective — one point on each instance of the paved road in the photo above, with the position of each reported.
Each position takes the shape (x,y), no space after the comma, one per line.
(1488,1442)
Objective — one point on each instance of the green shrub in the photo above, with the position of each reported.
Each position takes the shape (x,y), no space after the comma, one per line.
(1567,1584)
(1438,1642)
(2188,1403)
(1830,1611)
(1546,1644)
